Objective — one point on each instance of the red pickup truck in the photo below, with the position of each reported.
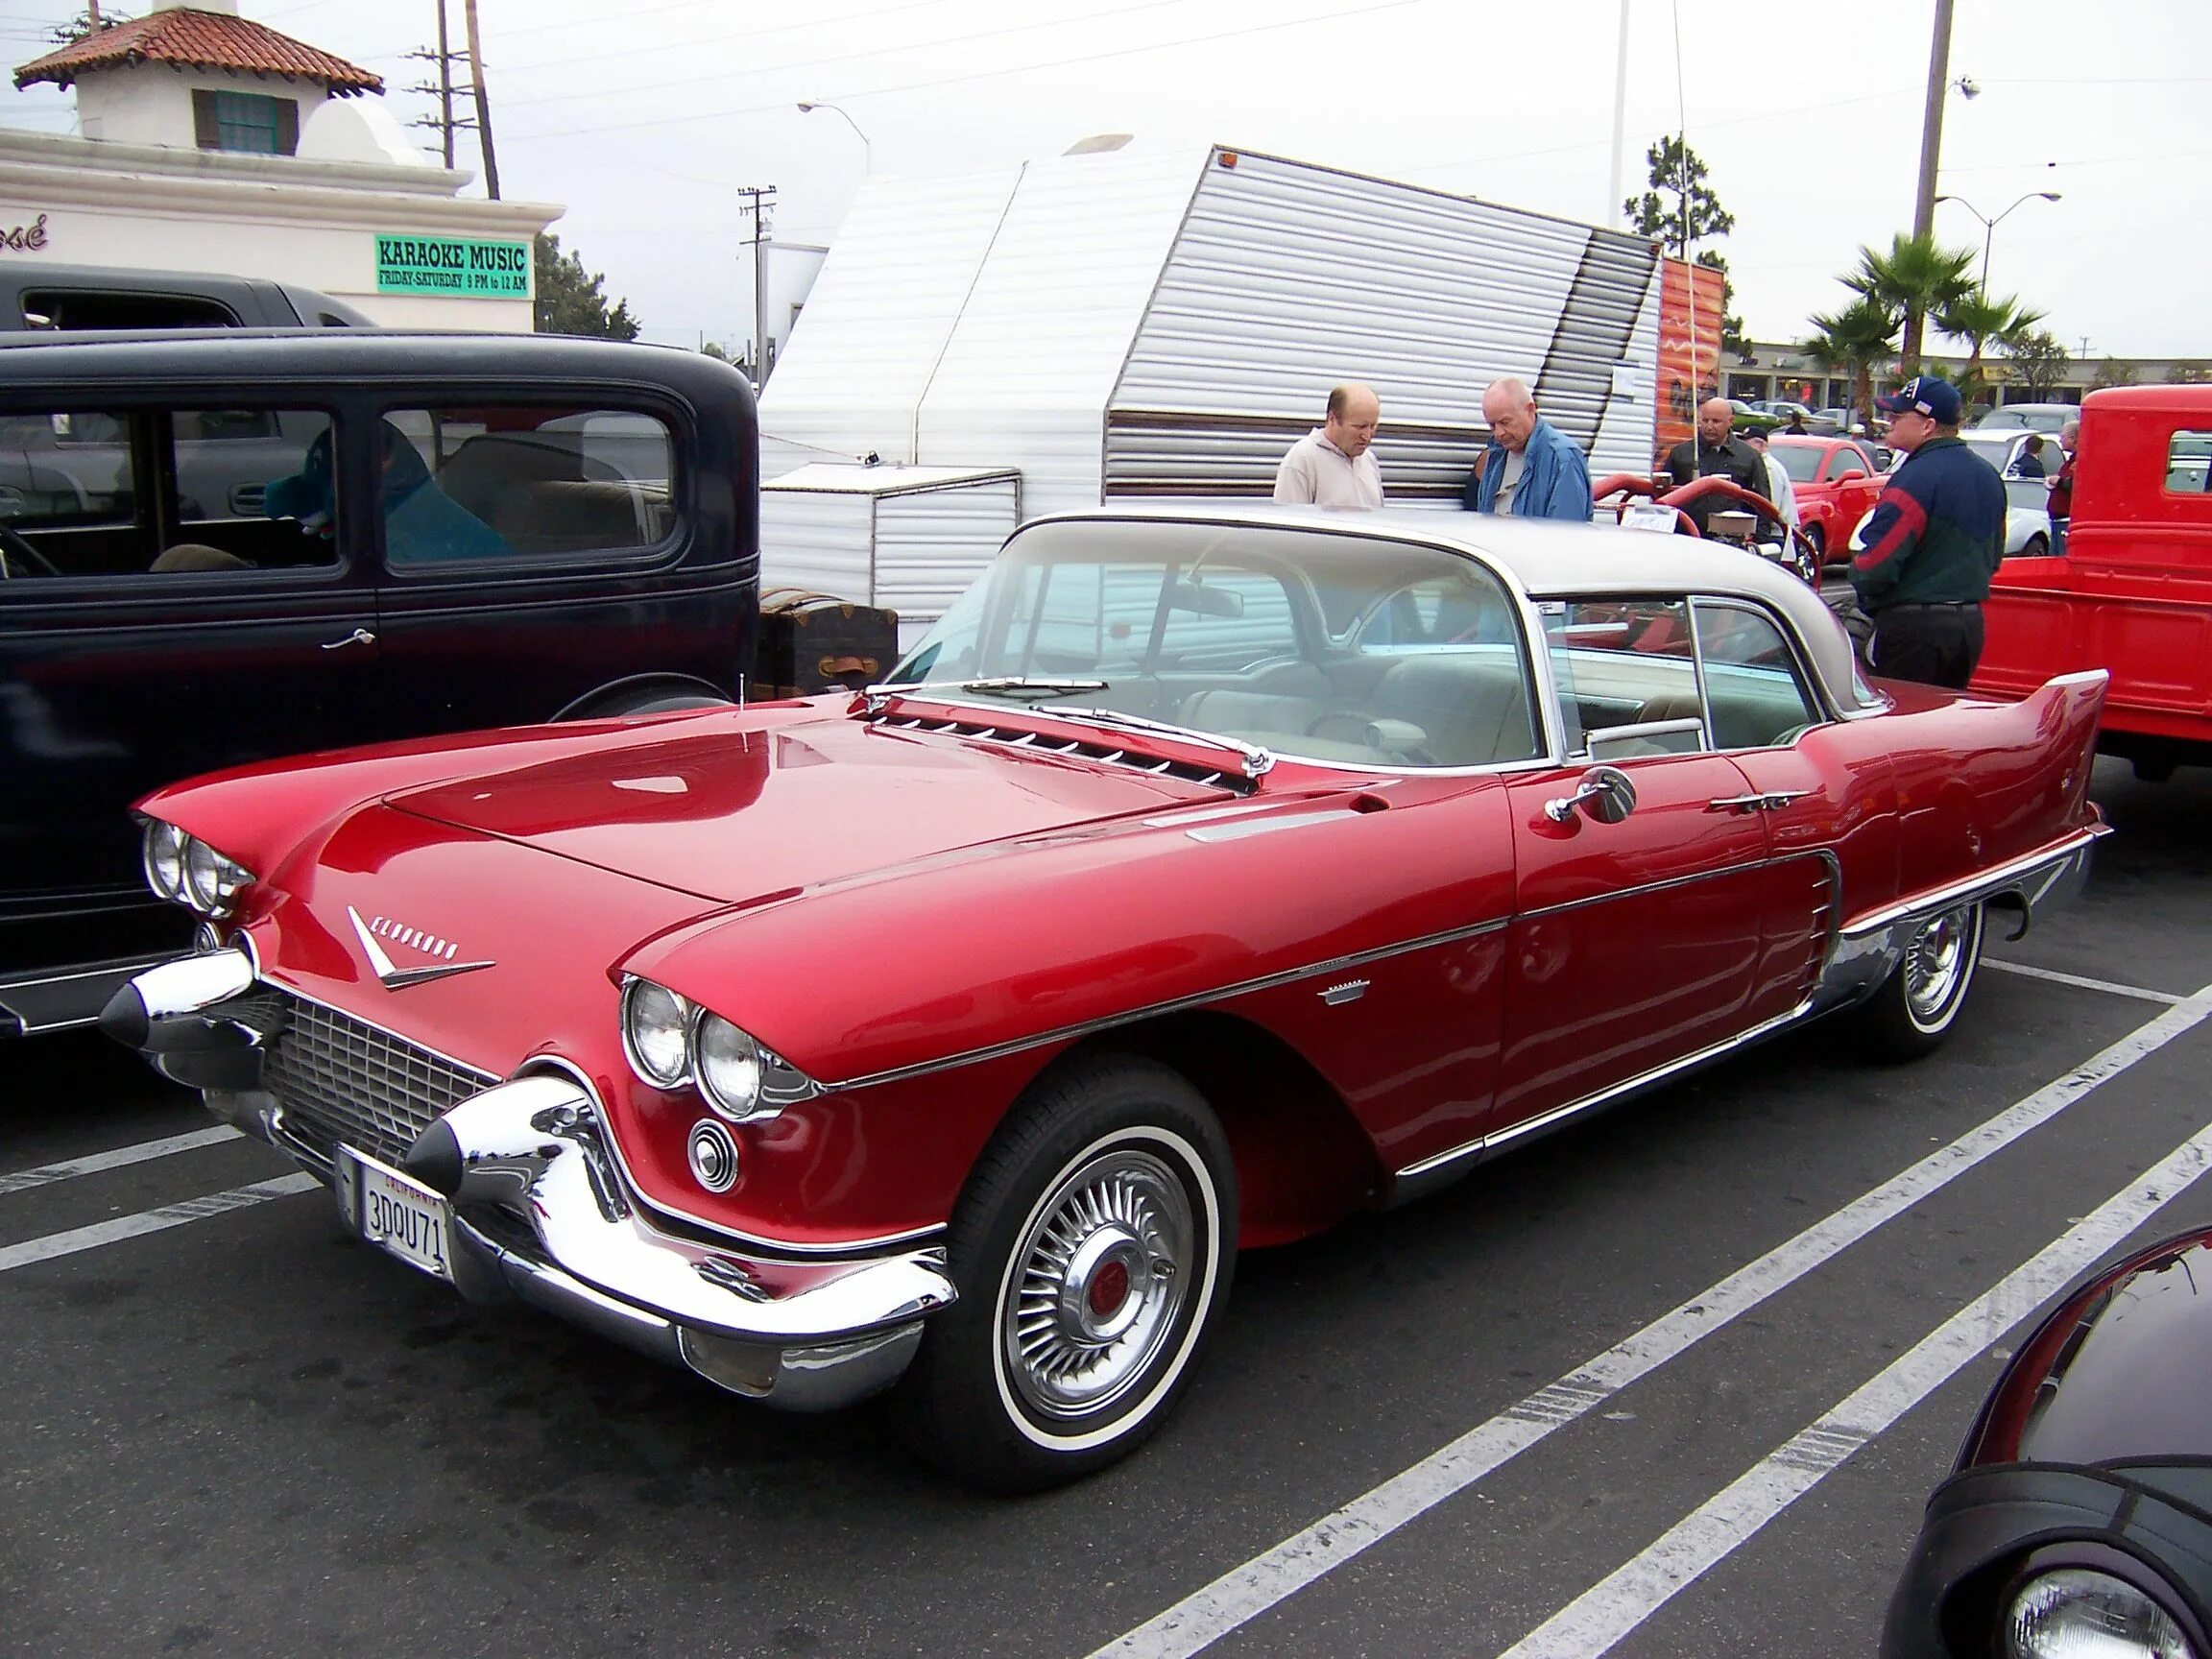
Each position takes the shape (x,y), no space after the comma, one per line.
(2132,592)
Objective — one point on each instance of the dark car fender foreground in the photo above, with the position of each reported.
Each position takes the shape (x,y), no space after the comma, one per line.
(2091,1460)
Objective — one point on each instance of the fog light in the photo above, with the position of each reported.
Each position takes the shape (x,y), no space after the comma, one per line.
(713,1156)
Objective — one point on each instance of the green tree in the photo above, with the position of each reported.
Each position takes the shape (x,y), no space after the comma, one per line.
(1980,318)
(1680,210)
(1916,278)
(716,349)
(569,299)
(2039,359)
(1860,340)
(2194,372)
(2114,373)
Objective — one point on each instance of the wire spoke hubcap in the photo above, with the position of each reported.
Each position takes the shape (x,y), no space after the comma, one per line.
(1101,1274)
(1936,962)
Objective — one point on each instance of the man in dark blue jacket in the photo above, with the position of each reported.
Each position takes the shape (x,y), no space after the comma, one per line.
(1935,537)
(1531,469)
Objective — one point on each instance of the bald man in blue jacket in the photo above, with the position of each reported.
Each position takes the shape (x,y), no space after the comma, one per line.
(1531,469)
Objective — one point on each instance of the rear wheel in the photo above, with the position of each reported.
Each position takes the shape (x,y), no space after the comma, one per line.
(1819,540)
(1919,1002)
(1093,1251)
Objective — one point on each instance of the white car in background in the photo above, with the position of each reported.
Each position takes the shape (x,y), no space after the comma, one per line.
(2044,417)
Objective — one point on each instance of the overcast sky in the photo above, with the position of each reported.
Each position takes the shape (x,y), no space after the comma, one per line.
(642,118)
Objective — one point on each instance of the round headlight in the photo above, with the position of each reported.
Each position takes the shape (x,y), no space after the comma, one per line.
(210,880)
(656,1025)
(2077,1610)
(165,859)
(728,1063)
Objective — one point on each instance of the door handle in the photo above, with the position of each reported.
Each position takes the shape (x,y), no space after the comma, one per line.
(359,637)
(1773,800)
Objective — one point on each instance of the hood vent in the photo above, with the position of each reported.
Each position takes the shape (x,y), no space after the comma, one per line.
(1105,753)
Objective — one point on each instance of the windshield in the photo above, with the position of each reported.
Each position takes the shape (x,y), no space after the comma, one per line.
(1340,648)
(1801,461)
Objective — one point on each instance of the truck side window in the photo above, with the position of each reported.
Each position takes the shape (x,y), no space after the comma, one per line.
(2186,470)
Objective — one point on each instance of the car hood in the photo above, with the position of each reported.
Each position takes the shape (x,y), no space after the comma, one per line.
(737,814)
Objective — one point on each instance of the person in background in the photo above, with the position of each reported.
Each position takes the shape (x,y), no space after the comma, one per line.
(1779,489)
(1711,451)
(1935,537)
(2061,505)
(1530,469)
(2030,462)
(1332,466)
(1796,427)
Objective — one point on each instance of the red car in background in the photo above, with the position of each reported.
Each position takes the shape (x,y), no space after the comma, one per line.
(1836,481)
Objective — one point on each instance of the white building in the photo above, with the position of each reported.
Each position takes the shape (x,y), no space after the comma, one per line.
(207,142)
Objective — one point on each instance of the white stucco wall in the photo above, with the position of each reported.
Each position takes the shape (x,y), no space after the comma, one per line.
(152,102)
(277,217)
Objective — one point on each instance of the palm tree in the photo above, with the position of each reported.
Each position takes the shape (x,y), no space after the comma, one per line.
(1979,318)
(1861,341)
(1916,278)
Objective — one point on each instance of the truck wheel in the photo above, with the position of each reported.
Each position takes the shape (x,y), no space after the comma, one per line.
(2037,547)
(1819,539)
(1093,1249)
(1919,1002)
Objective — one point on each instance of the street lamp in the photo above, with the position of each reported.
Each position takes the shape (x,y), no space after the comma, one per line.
(867,150)
(1989,226)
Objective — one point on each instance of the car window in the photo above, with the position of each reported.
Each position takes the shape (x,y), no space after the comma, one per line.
(1801,461)
(92,308)
(505,483)
(1340,648)
(165,492)
(1755,695)
(1849,459)
(2187,458)
(1626,671)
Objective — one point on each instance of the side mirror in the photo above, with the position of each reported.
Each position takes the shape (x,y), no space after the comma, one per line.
(1605,794)
(1849,476)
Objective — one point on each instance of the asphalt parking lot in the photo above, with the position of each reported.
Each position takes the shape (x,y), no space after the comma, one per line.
(1676,1382)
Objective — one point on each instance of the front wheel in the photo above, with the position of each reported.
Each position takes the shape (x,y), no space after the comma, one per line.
(1093,1250)
(2039,546)
(1919,1002)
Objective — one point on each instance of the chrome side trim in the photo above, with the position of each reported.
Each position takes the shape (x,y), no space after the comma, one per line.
(1153,1010)
(1429,1174)
(2047,865)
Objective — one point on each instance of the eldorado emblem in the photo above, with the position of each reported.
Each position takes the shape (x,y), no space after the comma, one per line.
(394,976)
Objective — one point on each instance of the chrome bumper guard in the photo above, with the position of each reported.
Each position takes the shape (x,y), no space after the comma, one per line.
(538,1213)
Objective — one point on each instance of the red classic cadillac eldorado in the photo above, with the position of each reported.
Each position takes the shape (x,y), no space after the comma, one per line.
(1204,875)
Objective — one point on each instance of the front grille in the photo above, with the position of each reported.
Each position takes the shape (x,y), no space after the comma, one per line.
(340,1079)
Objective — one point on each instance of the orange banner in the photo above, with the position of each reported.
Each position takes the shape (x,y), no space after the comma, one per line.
(1688,358)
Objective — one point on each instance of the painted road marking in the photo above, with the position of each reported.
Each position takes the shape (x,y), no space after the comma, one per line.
(1598,1618)
(2107,986)
(1243,1592)
(58,1244)
(120,1158)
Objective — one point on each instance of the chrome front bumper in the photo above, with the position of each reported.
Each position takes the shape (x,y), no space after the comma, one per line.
(538,1212)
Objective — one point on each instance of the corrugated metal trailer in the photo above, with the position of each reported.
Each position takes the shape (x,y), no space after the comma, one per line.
(1167,321)
(906,538)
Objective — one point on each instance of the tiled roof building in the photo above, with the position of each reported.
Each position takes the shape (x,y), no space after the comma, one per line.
(188,38)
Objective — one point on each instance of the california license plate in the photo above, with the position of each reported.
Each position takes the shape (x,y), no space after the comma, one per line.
(393,1212)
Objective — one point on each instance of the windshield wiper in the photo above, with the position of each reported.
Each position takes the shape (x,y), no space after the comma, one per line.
(1022,688)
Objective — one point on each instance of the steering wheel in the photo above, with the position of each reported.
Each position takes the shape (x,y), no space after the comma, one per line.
(15,551)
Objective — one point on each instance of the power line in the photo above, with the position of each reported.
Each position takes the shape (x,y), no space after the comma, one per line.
(1335,16)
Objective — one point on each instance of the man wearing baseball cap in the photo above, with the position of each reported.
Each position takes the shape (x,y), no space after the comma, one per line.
(1937,534)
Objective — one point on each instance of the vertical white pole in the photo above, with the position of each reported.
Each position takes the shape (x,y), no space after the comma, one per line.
(1615,213)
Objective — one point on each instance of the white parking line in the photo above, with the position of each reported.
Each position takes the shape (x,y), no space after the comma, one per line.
(2107,986)
(121,1157)
(70,1243)
(1242,1593)
(1597,1620)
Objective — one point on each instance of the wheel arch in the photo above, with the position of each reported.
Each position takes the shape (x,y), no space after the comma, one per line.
(643,694)
(1303,1160)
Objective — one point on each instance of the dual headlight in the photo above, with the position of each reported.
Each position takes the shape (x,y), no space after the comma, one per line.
(2078,1611)
(671,1042)
(186,870)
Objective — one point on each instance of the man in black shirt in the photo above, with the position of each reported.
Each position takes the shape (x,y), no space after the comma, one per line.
(1713,450)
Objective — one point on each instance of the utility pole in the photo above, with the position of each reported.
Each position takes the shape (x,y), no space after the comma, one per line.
(483,102)
(1932,120)
(1616,204)
(443,91)
(759,202)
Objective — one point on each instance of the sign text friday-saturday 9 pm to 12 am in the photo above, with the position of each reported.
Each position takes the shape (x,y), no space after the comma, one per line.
(452,265)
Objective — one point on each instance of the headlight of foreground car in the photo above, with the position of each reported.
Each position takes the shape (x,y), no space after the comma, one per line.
(2076,1613)
(186,870)
(657,1033)
(670,1041)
